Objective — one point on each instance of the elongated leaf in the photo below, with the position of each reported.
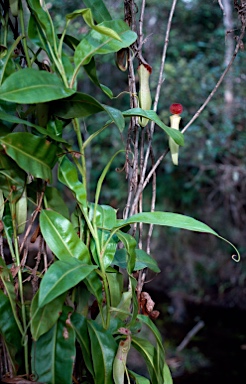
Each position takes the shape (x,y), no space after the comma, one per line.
(175,220)
(60,277)
(143,260)
(167,375)
(43,319)
(110,245)
(95,43)
(7,280)
(160,354)
(83,105)
(53,354)
(115,282)
(149,353)
(68,175)
(79,323)
(105,216)
(14,119)
(152,327)
(21,212)
(103,350)
(9,329)
(30,86)
(42,20)
(99,10)
(94,285)
(90,69)
(12,178)
(130,246)
(139,379)
(1,204)
(177,136)
(33,154)
(54,201)
(61,237)
(88,18)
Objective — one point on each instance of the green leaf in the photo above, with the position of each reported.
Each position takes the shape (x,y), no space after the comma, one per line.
(175,220)
(60,277)
(42,20)
(115,282)
(9,330)
(68,175)
(21,212)
(53,354)
(149,353)
(1,204)
(110,249)
(55,201)
(143,260)
(152,327)
(61,237)
(30,86)
(14,119)
(105,216)
(7,280)
(99,10)
(88,18)
(43,319)
(12,178)
(94,285)
(90,69)
(139,379)
(83,105)
(130,246)
(96,43)
(167,375)
(33,154)
(103,350)
(79,323)
(177,136)
(160,355)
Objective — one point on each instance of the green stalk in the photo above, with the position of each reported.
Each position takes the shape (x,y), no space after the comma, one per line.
(94,232)
(20,281)
(28,60)
(62,38)
(82,152)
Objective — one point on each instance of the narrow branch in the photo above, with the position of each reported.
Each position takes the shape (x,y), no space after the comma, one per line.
(163,59)
(197,114)
(190,334)
(141,19)
(158,90)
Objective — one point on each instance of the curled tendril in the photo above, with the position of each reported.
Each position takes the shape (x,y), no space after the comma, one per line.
(236,258)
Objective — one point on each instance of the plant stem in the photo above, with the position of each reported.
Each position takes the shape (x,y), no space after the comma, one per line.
(82,152)
(20,282)
(28,60)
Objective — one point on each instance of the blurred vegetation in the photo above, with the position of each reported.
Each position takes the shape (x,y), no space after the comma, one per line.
(210,182)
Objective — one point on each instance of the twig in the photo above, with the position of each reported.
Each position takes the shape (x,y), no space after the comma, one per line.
(221,6)
(189,335)
(157,95)
(153,201)
(37,210)
(141,24)
(219,82)
(163,59)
